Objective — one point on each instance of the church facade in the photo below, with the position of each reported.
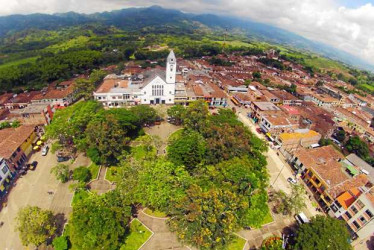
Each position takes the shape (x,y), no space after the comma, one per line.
(155,87)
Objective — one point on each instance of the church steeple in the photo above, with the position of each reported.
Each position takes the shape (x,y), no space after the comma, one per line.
(171,68)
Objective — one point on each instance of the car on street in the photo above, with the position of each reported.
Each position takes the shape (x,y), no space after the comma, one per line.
(301,218)
(62,158)
(33,165)
(45,150)
(292,180)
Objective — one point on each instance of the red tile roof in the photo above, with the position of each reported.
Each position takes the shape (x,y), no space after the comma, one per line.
(12,138)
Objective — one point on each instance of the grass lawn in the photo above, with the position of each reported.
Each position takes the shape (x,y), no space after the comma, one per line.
(237,244)
(155,213)
(113,174)
(268,218)
(138,235)
(94,169)
(175,135)
(79,195)
(368,86)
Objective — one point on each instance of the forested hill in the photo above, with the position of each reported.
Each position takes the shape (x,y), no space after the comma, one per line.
(157,19)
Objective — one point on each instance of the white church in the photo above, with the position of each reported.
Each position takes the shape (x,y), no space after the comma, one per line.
(154,87)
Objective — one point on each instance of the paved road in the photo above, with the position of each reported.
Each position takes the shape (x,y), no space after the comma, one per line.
(162,238)
(32,189)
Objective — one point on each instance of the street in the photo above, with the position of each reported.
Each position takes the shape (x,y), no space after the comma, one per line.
(32,189)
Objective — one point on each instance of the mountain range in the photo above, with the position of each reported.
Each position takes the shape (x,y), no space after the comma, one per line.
(154,17)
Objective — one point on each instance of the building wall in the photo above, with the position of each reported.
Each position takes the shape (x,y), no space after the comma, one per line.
(359,216)
(26,147)
(318,187)
(148,97)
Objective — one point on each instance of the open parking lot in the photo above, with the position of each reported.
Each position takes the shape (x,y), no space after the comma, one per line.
(32,189)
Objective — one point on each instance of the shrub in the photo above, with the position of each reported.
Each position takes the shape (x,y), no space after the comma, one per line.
(82,174)
(60,243)
(61,172)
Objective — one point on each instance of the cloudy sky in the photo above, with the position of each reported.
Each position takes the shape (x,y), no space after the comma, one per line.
(344,24)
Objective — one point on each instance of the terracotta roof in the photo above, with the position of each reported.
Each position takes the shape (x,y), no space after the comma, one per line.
(197,90)
(357,181)
(290,110)
(24,97)
(217,92)
(347,198)
(108,84)
(12,138)
(5,97)
(53,93)
(283,95)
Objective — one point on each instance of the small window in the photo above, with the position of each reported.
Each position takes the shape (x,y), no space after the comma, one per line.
(145,100)
(354,210)
(363,220)
(369,213)
(348,215)
(356,224)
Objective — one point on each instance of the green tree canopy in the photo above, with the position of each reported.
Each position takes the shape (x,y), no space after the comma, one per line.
(357,146)
(82,174)
(99,222)
(323,233)
(105,135)
(205,219)
(145,113)
(187,150)
(61,172)
(196,115)
(177,112)
(35,225)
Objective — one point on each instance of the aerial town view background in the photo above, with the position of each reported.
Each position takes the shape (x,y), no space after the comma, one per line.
(180,137)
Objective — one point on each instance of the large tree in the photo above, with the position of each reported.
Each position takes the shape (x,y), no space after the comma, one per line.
(177,112)
(69,124)
(100,222)
(196,115)
(35,225)
(162,184)
(106,137)
(188,150)
(84,88)
(206,218)
(61,172)
(357,146)
(323,233)
(292,203)
(144,113)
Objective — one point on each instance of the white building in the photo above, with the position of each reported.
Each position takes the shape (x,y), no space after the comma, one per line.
(157,87)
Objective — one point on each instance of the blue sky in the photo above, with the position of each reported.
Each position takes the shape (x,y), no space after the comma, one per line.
(355,3)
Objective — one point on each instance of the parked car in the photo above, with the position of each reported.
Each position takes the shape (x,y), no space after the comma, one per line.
(301,218)
(292,180)
(62,158)
(45,150)
(33,165)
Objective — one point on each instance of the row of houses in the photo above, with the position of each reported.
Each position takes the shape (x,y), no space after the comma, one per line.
(343,186)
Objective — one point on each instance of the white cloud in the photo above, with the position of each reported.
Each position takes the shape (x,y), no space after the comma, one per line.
(349,29)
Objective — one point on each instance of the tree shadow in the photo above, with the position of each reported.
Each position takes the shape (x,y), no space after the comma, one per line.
(370,243)
(60,223)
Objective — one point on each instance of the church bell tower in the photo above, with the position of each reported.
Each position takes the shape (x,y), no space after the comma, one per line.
(171,68)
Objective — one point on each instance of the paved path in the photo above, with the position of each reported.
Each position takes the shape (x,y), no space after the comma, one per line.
(162,238)
(32,189)
(164,130)
(101,185)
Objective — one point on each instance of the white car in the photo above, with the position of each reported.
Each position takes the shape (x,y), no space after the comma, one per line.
(292,180)
(45,150)
(301,218)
